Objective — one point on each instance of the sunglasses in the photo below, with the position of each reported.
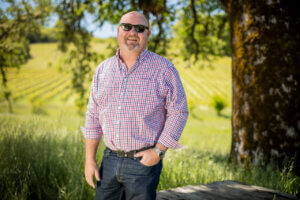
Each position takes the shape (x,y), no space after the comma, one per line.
(138,28)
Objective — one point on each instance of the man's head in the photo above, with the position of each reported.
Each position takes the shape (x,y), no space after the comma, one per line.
(129,39)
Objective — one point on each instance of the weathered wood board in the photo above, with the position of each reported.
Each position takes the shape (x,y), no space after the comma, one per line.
(223,190)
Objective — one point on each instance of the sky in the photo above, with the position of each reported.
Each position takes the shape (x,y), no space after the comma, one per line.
(107,30)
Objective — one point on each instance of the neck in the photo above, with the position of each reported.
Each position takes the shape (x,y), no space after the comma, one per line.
(129,57)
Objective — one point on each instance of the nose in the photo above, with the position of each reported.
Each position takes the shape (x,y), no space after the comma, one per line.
(132,30)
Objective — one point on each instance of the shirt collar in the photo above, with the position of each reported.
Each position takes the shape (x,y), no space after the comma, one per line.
(143,54)
(140,57)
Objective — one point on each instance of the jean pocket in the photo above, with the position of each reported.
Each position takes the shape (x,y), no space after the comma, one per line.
(106,153)
(139,160)
(98,183)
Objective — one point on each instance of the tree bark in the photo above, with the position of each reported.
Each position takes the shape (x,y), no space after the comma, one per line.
(7,93)
(265,44)
(194,43)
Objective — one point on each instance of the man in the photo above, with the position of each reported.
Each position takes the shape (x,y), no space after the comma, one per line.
(138,105)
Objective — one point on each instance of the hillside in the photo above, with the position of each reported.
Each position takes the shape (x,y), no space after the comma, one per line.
(45,81)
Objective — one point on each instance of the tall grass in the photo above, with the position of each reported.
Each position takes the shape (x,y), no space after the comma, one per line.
(192,167)
(43,158)
(205,158)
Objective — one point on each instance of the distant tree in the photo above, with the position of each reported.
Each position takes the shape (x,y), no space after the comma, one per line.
(74,39)
(202,30)
(218,104)
(16,22)
(43,36)
(265,41)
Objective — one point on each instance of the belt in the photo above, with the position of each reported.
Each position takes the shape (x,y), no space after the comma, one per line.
(128,154)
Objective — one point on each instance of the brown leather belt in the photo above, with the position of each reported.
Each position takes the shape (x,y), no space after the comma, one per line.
(128,154)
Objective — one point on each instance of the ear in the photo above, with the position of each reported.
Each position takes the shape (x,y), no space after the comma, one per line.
(149,33)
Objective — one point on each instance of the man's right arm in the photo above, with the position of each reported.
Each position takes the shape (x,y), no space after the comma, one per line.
(91,166)
(92,133)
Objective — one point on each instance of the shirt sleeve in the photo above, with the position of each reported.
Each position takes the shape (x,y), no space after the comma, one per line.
(92,129)
(177,109)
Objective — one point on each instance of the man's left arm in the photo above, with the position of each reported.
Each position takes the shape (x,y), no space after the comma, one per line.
(177,114)
(177,109)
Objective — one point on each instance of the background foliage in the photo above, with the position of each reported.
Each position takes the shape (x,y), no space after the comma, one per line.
(207,31)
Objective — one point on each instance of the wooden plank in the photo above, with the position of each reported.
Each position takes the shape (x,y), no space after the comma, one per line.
(223,190)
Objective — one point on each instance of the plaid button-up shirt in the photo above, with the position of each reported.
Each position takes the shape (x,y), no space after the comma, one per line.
(137,108)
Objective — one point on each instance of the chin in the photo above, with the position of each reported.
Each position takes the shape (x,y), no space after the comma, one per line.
(136,48)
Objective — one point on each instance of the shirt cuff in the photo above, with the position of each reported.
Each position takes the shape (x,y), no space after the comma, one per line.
(91,134)
(169,142)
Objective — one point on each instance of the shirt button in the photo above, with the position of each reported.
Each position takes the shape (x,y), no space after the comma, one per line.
(118,122)
(119,107)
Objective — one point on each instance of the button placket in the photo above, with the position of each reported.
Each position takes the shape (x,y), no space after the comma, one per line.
(119,107)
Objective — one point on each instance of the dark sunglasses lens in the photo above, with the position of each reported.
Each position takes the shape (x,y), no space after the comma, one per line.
(139,29)
(127,27)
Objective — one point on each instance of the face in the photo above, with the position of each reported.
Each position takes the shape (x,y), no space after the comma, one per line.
(132,41)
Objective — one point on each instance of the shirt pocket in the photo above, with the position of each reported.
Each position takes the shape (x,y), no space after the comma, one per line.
(143,94)
(105,90)
(101,91)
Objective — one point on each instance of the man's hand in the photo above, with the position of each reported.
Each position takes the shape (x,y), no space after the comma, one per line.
(149,157)
(91,170)
(91,167)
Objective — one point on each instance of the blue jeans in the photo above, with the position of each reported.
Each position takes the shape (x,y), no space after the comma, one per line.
(126,178)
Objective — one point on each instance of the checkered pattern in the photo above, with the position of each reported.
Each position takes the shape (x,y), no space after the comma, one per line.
(139,108)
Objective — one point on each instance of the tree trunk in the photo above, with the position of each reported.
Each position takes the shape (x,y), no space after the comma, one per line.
(265,41)
(7,93)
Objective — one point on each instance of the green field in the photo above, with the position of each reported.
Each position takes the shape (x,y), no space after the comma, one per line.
(45,81)
(42,150)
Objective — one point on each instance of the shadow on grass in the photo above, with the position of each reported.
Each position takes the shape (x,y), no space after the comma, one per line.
(224,116)
(194,116)
(215,157)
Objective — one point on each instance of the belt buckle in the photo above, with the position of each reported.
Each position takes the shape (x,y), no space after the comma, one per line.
(119,153)
(122,154)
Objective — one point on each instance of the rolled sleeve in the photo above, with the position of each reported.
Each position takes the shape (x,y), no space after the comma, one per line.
(92,129)
(177,109)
